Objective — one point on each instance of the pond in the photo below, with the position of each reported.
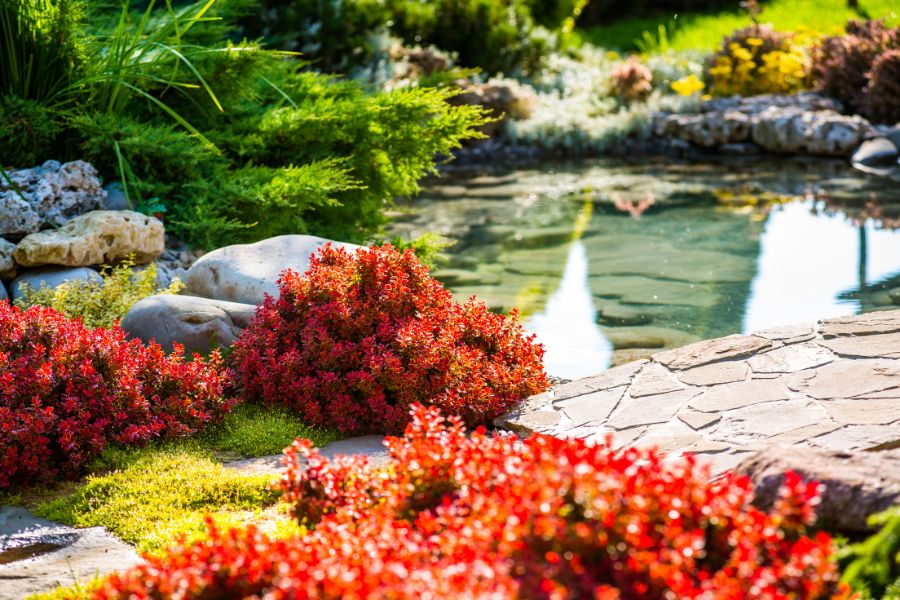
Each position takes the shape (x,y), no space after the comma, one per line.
(608,262)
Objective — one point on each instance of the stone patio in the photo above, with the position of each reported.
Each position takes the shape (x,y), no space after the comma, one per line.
(834,385)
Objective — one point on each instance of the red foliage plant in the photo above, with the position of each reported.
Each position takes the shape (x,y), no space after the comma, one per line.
(363,336)
(67,390)
(481,516)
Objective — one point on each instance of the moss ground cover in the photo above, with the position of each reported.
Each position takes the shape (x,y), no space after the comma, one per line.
(148,496)
(698,31)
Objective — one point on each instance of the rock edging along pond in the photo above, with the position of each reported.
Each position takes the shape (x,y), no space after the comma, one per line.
(833,386)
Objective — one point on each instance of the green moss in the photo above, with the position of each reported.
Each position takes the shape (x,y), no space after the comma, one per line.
(78,591)
(252,430)
(160,494)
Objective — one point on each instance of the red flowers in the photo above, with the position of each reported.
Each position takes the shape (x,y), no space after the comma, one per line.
(361,338)
(66,390)
(495,517)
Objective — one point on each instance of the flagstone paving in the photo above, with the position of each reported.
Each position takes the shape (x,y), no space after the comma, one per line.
(834,385)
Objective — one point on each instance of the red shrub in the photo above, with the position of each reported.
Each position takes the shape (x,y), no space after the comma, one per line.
(455,516)
(844,67)
(66,390)
(361,337)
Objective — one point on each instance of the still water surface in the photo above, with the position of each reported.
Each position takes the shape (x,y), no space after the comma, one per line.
(608,262)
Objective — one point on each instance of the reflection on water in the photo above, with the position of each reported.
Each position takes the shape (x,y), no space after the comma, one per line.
(566,326)
(808,261)
(610,262)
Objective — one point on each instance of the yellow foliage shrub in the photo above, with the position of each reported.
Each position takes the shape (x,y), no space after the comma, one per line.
(759,60)
(100,304)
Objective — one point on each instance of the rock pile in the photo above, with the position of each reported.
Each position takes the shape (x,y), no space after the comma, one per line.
(223,290)
(782,124)
(53,228)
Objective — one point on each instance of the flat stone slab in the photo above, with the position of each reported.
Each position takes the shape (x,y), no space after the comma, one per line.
(37,555)
(371,446)
(834,386)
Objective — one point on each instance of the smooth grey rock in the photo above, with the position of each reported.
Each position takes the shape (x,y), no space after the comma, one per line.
(57,192)
(60,555)
(116,198)
(246,273)
(94,238)
(370,446)
(893,134)
(877,152)
(198,324)
(4,295)
(856,484)
(51,277)
(7,264)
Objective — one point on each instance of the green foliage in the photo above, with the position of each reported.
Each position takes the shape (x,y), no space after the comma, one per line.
(704,30)
(29,130)
(495,35)
(873,565)
(156,494)
(335,34)
(251,430)
(498,36)
(429,247)
(40,49)
(235,142)
(100,304)
(147,496)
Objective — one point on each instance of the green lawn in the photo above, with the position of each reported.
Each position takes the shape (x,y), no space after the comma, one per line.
(705,31)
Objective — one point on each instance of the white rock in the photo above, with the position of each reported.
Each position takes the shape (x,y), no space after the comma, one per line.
(56,192)
(17,218)
(198,324)
(246,273)
(826,133)
(98,237)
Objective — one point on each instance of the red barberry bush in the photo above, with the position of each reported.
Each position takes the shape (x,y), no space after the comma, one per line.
(844,68)
(66,391)
(453,516)
(363,336)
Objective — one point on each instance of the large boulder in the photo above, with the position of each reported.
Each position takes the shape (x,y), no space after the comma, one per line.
(198,324)
(7,264)
(57,192)
(824,133)
(246,273)
(50,277)
(98,237)
(857,484)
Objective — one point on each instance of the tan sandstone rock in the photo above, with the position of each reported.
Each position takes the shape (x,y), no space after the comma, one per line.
(97,237)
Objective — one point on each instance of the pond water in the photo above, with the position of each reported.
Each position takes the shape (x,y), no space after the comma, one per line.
(608,262)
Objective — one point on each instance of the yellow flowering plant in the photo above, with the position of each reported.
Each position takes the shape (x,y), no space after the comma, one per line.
(688,86)
(759,60)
